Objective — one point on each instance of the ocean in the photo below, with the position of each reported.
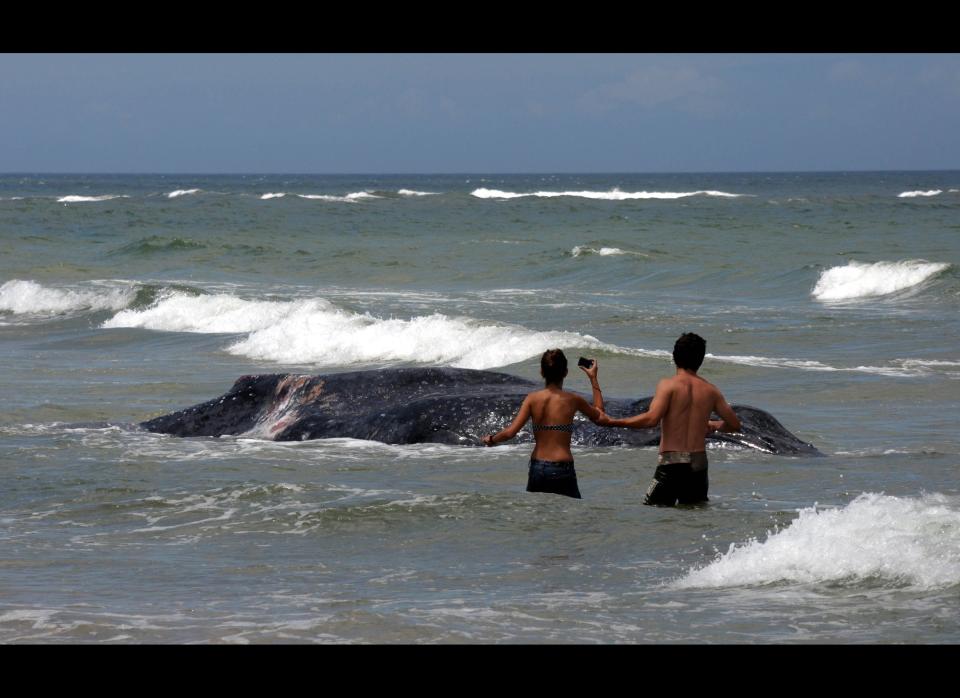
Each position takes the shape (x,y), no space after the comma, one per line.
(828,299)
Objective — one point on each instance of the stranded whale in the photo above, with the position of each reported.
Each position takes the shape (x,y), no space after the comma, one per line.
(415,405)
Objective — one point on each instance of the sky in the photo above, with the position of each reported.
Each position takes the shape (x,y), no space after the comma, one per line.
(478,113)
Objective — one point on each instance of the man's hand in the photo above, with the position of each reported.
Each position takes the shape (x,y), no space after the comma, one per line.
(604,420)
(714,425)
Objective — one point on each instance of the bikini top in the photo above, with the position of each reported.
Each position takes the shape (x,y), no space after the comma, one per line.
(553,427)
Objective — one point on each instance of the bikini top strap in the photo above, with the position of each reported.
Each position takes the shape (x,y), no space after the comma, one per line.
(553,427)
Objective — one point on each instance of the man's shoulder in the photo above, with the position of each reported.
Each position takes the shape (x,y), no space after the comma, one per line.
(705,389)
(711,391)
(705,382)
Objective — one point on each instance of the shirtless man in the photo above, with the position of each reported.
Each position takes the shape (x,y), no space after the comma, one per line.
(682,406)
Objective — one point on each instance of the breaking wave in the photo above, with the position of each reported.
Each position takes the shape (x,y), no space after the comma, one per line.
(314,331)
(897,541)
(30,298)
(860,280)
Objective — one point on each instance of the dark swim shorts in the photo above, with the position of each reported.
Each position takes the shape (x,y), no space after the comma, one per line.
(681,477)
(557,477)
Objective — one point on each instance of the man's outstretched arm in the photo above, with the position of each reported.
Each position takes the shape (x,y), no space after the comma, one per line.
(645,420)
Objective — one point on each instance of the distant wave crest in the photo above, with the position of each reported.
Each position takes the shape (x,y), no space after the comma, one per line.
(861,280)
(74,198)
(903,368)
(612,195)
(582,250)
(349,198)
(914,194)
(182,192)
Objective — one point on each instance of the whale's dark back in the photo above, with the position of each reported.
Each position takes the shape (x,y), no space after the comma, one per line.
(419,405)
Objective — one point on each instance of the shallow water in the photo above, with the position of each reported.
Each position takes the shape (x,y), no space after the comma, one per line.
(113,311)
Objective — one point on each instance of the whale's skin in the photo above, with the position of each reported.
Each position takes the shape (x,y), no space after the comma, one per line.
(422,405)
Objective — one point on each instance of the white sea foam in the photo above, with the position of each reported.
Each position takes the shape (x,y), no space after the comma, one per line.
(914,194)
(496,194)
(277,195)
(861,280)
(809,365)
(349,198)
(73,199)
(581,250)
(329,337)
(412,192)
(900,541)
(899,368)
(612,195)
(30,298)
(182,192)
(214,313)
(927,363)
(314,331)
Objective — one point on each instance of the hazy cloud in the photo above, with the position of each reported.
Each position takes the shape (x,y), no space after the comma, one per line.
(417,103)
(945,76)
(846,71)
(655,86)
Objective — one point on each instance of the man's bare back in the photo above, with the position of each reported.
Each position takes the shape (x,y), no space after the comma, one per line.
(689,402)
(682,406)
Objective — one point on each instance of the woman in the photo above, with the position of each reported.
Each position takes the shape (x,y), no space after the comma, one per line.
(552,409)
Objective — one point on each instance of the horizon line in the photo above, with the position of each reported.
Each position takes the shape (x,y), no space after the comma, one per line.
(457,173)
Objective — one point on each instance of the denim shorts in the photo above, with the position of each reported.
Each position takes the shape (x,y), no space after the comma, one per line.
(558,477)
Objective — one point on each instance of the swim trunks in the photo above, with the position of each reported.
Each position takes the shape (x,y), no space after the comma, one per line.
(681,477)
(558,477)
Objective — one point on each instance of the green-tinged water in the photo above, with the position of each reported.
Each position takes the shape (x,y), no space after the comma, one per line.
(829,300)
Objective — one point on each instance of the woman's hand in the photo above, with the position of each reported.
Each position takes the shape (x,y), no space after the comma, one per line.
(591,372)
(487,440)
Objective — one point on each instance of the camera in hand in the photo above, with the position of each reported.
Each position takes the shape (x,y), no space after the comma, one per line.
(586,363)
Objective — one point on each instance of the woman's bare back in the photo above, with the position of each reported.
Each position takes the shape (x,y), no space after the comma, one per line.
(552,407)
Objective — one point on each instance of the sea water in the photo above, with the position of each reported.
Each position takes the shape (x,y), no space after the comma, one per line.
(828,299)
